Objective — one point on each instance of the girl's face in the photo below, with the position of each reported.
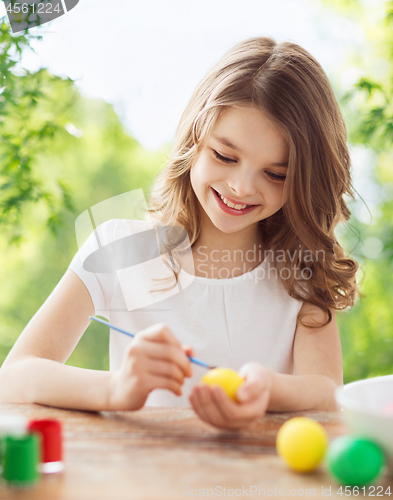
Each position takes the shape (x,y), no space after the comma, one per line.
(244,159)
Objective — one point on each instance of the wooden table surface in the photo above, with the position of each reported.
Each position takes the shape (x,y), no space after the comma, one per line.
(170,454)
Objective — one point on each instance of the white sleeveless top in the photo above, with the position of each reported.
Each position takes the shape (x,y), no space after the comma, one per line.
(228,322)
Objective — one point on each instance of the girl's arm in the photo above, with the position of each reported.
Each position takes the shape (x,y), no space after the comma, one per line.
(318,368)
(34,371)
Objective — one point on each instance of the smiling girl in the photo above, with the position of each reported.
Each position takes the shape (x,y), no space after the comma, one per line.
(259,162)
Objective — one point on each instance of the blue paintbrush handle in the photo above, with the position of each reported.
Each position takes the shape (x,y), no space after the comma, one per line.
(194,360)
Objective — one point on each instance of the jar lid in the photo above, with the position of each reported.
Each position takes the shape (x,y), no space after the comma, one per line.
(13,425)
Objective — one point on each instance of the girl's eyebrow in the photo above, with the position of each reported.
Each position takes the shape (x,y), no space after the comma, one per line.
(228,143)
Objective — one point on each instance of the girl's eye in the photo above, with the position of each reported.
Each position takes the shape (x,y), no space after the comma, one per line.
(276,177)
(272,175)
(223,158)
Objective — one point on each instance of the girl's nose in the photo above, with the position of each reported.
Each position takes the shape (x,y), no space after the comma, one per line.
(243,186)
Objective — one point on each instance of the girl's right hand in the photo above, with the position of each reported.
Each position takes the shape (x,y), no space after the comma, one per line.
(154,359)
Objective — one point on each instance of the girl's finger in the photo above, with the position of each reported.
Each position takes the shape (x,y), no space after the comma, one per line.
(256,408)
(258,378)
(159,333)
(161,382)
(208,408)
(215,412)
(188,350)
(164,368)
(168,352)
(240,414)
(248,392)
(229,418)
(211,409)
(227,408)
(195,399)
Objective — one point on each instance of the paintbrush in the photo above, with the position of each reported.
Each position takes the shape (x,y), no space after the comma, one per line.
(194,360)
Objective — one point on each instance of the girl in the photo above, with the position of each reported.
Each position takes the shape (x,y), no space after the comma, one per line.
(257,175)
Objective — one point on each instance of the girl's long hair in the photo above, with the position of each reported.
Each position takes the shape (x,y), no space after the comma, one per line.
(285,82)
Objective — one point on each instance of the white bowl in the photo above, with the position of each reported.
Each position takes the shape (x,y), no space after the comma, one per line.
(363,403)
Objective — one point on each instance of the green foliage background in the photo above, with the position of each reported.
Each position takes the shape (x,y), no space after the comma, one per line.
(49,176)
(70,174)
(367,330)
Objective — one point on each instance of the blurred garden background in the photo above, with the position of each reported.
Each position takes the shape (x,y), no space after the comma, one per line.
(62,151)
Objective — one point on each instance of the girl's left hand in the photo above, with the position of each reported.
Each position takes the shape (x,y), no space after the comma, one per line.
(215,407)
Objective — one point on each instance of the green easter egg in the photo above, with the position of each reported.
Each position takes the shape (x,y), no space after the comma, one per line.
(354,461)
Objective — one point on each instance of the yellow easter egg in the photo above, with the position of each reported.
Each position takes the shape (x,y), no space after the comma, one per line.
(302,443)
(227,379)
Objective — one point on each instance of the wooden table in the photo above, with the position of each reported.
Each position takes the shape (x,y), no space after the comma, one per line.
(165,453)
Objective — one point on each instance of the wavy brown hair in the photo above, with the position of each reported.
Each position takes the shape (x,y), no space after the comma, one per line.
(285,82)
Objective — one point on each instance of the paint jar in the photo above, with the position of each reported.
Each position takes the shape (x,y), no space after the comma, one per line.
(51,444)
(11,425)
(21,459)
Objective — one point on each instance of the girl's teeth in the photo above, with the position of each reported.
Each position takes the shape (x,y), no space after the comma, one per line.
(231,205)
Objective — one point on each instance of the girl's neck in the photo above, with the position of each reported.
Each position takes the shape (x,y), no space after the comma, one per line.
(218,255)
(214,239)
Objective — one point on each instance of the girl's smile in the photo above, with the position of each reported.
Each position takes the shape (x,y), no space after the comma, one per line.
(239,175)
(231,206)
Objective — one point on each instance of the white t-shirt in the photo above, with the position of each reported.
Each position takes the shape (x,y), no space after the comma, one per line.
(228,322)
